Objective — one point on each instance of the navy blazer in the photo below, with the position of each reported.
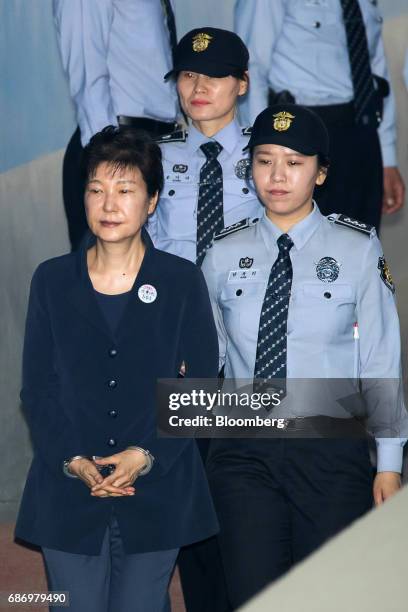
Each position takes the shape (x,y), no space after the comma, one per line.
(70,359)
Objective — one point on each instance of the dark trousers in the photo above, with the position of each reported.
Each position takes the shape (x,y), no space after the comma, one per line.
(112,581)
(354,185)
(279,500)
(73,186)
(201,570)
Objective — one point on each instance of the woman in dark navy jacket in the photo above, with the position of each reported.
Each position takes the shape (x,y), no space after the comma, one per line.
(103,325)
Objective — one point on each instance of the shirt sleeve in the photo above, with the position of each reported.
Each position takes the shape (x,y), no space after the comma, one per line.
(380,359)
(210,275)
(258,23)
(54,436)
(387,130)
(83,28)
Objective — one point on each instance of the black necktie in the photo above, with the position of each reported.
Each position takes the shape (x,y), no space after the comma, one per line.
(271,346)
(171,25)
(361,75)
(210,213)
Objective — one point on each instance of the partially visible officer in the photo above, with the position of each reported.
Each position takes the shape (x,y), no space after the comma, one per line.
(298,295)
(107,47)
(206,189)
(329,55)
(205,169)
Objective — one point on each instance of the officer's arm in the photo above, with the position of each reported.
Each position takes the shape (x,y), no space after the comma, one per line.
(211,276)
(259,23)
(380,359)
(83,28)
(387,129)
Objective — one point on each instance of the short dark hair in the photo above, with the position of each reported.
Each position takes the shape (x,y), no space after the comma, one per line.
(125,147)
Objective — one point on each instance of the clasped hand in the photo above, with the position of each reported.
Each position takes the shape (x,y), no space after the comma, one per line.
(128,464)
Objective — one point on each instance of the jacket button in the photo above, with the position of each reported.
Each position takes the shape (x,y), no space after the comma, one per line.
(112,384)
(111,442)
(113,413)
(112,352)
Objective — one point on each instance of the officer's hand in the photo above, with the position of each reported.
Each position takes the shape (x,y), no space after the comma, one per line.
(128,465)
(385,485)
(394,190)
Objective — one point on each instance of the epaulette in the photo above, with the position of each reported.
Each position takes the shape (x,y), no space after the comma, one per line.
(231,229)
(246,131)
(178,136)
(346,221)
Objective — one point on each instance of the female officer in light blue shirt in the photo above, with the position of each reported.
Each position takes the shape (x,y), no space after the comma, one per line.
(205,169)
(297,295)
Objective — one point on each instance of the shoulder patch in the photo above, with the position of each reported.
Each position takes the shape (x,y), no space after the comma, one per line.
(231,229)
(178,136)
(247,131)
(346,221)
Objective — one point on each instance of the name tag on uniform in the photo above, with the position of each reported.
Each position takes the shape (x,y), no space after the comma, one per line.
(177,177)
(239,276)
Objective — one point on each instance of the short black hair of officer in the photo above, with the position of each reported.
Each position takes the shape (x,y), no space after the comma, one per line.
(293,126)
(211,51)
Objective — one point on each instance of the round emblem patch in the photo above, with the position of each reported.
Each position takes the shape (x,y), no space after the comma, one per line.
(147,294)
(327,269)
(242,168)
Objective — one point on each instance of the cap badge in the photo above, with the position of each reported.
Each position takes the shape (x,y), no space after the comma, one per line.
(201,42)
(282,121)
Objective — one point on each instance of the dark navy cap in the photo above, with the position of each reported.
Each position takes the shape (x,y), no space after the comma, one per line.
(292,126)
(211,51)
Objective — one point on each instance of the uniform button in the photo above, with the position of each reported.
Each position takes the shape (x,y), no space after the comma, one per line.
(112,384)
(111,442)
(113,413)
(327,294)
(317,24)
(171,192)
(245,190)
(112,352)
(238,292)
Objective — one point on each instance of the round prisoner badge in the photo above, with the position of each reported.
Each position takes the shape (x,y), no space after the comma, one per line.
(327,269)
(147,294)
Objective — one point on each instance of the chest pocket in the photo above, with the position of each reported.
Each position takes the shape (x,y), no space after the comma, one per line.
(176,211)
(328,293)
(240,201)
(314,14)
(241,305)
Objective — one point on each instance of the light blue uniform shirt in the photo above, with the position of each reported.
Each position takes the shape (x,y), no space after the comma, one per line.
(173,227)
(301,46)
(115,53)
(321,339)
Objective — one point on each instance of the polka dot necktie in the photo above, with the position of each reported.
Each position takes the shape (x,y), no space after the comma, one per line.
(359,57)
(271,347)
(210,212)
